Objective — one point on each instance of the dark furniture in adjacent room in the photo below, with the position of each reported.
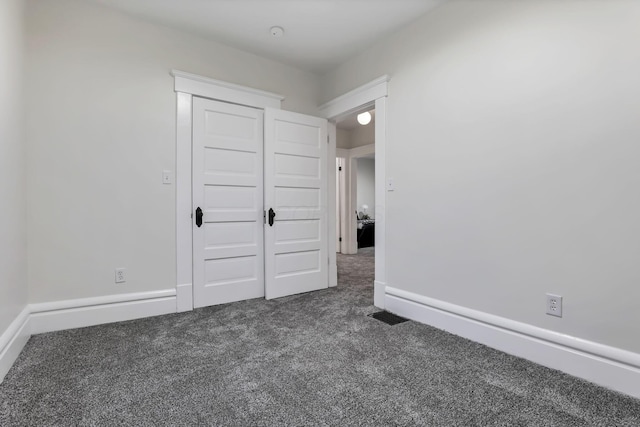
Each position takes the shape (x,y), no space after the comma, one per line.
(366,233)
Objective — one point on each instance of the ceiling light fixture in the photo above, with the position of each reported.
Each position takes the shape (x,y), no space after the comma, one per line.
(277,32)
(364,118)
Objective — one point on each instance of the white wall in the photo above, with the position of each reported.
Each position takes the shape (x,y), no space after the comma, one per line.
(101,128)
(362,135)
(512,139)
(343,138)
(366,186)
(13,256)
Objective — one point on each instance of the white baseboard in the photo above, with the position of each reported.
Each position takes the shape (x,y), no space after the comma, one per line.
(607,366)
(379,293)
(13,340)
(79,313)
(333,273)
(184,298)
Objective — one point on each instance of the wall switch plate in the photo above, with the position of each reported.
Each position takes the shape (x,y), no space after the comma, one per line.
(390,184)
(120,275)
(554,305)
(167,177)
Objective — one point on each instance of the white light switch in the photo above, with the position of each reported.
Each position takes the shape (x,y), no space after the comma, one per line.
(167,177)
(390,186)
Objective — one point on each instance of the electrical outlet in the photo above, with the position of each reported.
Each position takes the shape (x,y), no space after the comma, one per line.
(120,275)
(554,305)
(167,177)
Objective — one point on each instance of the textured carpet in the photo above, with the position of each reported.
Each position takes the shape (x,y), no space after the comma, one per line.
(312,359)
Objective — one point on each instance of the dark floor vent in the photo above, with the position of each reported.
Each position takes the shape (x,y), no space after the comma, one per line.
(388,318)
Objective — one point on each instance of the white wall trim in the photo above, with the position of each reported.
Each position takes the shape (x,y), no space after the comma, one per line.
(13,340)
(184,297)
(69,314)
(381,200)
(379,291)
(223,91)
(10,333)
(343,155)
(107,299)
(331,205)
(184,203)
(372,93)
(607,366)
(361,96)
(79,313)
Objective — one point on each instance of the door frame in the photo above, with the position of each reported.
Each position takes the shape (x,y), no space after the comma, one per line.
(341,182)
(372,94)
(186,86)
(348,215)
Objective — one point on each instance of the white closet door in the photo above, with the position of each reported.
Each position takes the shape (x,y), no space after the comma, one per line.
(228,245)
(296,254)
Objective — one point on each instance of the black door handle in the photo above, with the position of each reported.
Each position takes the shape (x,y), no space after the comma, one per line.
(199,215)
(272,215)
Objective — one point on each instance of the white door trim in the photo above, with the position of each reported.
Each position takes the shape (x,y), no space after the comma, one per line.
(340,107)
(223,91)
(375,94)
(380,281)
(344,182)
(331,204)
(187,86)
(184,234)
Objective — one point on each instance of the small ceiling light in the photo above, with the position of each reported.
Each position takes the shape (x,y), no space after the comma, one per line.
(277,32)
(364,118)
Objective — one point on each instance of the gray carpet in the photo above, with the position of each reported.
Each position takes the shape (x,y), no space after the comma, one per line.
(313,359)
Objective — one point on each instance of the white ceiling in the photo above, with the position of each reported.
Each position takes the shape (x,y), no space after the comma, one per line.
(319,34)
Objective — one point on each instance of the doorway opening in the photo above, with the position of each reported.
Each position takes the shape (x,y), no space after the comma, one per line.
(356,184)
(372,95)
(355,196)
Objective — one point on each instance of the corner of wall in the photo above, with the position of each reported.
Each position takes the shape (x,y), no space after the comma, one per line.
(13,253)
(13,340)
